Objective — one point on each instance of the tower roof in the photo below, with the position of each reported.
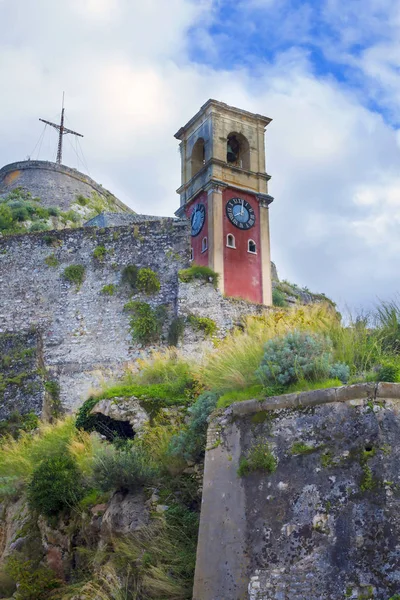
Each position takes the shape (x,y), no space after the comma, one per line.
(220,107)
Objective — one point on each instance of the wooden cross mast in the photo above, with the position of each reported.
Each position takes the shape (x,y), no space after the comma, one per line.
(61,131)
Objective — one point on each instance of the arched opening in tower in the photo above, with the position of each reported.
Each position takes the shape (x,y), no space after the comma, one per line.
(238,151)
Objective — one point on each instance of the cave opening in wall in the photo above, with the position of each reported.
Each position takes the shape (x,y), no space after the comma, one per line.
(111,429)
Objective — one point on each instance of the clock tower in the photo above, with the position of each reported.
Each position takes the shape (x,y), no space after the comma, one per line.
(224,194)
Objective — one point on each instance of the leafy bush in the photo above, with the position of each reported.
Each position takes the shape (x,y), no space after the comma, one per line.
(203,324)
(199,272)
(191,442)
(388,372)
(147,281)
(19,458)
(53,211)
(99,253)
(82,201)
(75,274)
(146,322)
(123,470)
(129,275)
(259,458)
(51,260)
(297,355)
(278,298)
(6,217)
(38,226)
(17,423)
(35,582)
(340,371)
(56,485)
(109,289)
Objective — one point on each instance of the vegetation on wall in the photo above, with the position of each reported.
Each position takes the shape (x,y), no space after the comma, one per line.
(199,272)
(141,280)
(75,274)
(146,322)
(284,350)
(203,324)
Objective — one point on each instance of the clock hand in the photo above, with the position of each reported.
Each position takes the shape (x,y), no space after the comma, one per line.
(242,209)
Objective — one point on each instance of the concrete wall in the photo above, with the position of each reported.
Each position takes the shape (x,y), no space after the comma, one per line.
(325,525)
(86,336)
(56,185)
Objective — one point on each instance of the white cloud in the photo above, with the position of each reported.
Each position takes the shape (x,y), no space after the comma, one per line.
(130,85)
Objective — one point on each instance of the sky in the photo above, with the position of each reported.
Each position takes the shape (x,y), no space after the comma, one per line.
(326,71)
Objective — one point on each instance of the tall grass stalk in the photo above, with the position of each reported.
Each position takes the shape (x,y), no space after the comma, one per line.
(18,458)
(233,366)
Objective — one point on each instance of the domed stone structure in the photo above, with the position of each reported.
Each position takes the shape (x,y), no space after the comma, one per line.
(57,186)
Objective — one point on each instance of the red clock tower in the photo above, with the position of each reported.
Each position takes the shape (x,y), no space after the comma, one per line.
(224,194)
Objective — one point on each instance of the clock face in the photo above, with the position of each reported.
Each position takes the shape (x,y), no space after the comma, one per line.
(240,213)
(198,218)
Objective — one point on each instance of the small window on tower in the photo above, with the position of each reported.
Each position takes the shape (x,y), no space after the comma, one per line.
(230,241)
(252,248)
(204,245)
(191,254)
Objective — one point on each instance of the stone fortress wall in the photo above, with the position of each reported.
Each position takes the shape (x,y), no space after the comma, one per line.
(54,184)
(325,524)
(83,335)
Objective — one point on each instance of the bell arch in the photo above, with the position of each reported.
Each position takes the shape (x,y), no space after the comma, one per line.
(198,157)
(238,151)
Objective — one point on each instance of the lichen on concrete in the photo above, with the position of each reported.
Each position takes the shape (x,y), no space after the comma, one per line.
(314,529)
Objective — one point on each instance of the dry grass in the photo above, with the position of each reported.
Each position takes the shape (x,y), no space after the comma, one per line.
(233,365)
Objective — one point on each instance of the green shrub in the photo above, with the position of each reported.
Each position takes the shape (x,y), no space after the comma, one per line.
(34,581)
(259,458)
(340,371)
(75,274)
(388,372)
(56,486)
(147,281)
(51,261)
(17,423)
(278,298)
(301,448)
(199,272)
(123,470)
(297,355)
(146,322)
(99,253)
(203,324)
(129,275)
(109,289)
(176,331)
(53,211)
(191,442)
(7,584)
(6,217)
(38,226)
(82,201)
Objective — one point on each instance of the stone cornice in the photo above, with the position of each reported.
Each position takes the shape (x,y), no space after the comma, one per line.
(221,107)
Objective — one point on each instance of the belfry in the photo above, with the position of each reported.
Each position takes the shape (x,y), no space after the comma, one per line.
(224,193)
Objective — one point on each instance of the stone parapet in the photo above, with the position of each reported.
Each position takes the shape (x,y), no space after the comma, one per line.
(323,524)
